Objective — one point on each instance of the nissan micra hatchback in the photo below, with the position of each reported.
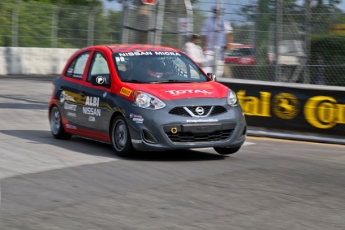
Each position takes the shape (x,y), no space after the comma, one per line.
(144,98)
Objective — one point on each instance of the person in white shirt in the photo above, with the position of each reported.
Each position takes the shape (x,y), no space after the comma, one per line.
(193,50)
(216,37)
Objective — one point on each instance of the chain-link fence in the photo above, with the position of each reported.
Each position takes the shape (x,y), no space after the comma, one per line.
(285,41)
(56,26)
(307,37)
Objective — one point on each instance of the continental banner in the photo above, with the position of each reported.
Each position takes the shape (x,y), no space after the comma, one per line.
(299,109)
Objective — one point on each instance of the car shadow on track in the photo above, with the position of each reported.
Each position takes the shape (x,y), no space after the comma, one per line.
(91,147)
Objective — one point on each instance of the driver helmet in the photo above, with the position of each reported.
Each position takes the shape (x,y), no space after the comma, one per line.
(155,68)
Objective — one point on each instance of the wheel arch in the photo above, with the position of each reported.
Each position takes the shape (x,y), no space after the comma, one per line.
(115,113)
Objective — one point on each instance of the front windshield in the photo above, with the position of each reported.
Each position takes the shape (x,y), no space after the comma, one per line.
(157,67)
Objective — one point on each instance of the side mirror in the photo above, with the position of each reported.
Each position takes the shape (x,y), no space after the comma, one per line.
(212,76)
(100,80)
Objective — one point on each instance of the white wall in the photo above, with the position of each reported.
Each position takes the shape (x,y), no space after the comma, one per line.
(31,61)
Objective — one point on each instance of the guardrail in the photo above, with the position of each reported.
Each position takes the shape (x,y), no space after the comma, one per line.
(291,107)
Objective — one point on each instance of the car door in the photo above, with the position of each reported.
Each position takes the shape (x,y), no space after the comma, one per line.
(70,88)
(94,115)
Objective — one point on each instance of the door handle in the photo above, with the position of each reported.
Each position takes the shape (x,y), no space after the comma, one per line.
(82,93)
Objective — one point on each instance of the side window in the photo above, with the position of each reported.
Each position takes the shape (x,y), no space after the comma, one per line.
(99,66)
(77,66)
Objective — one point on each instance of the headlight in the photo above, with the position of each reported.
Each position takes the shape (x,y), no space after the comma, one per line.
(147,101)
(232,98)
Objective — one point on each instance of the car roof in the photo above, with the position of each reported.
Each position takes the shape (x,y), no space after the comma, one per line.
(116,48)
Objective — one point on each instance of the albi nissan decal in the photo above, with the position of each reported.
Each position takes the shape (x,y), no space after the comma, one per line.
(179,92)
(92,101)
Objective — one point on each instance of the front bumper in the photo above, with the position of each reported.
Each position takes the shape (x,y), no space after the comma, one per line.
(155,130)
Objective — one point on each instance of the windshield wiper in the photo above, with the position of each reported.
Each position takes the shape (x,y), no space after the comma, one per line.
(172,81)
(135,81)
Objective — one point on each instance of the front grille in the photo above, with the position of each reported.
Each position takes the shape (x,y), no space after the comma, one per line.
(181,111)
(199,137)
(218,110)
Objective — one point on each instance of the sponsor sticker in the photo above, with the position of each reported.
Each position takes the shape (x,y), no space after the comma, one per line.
(201,120)
(91,118)
(136,141)
(65,97)
(92,101)
(69,106)
(125,91)
(69,126)
(70,114)
(136,118)
(92,111)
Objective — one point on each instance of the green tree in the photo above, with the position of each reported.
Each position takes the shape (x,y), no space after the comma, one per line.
(70,2)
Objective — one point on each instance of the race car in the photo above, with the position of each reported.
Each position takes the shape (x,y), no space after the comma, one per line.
(144,98)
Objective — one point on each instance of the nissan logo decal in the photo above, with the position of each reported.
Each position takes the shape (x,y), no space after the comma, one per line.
(199,110)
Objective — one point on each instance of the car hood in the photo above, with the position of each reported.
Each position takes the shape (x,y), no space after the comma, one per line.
(171,91)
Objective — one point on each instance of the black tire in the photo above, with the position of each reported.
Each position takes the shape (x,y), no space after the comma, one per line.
(56,126)
(120,138)
(226,151)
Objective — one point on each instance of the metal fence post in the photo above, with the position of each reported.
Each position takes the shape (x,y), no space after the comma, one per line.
(125,23)
(306,77)
(278,30)
(159,23)
(55,19)
(91,25)
(15,24)
(217,28)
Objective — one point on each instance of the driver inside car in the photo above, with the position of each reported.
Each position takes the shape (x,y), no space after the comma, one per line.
(157,69)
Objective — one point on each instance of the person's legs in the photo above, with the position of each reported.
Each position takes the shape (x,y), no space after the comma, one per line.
(220,68)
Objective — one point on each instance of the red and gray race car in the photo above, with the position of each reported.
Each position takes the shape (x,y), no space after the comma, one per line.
(144,98)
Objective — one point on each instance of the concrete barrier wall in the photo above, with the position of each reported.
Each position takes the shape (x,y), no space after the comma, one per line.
(32,60)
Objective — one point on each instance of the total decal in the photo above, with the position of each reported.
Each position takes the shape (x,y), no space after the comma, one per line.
(190,91)
(65,97)
(94,102)
(136,118)
(323,112)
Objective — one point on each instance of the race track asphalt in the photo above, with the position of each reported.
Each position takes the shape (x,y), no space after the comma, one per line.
(80,184)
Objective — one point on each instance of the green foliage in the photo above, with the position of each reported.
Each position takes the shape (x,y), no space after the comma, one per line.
(36,24)
(136,1)
(5,23)
(70,2)
(328,58)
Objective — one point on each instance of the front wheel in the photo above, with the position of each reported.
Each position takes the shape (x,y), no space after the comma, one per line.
(56,124)
(120,137)
(226,151)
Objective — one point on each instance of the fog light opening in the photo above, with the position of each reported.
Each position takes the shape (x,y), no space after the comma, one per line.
(242,133)
(148,137)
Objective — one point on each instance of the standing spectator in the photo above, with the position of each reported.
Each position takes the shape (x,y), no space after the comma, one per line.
(193,50)
(216,37)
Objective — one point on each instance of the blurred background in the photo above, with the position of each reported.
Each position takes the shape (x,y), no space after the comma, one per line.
(306,36)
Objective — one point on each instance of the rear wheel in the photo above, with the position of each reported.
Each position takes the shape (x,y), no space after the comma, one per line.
(226,151)
(120,137)
(56,124)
